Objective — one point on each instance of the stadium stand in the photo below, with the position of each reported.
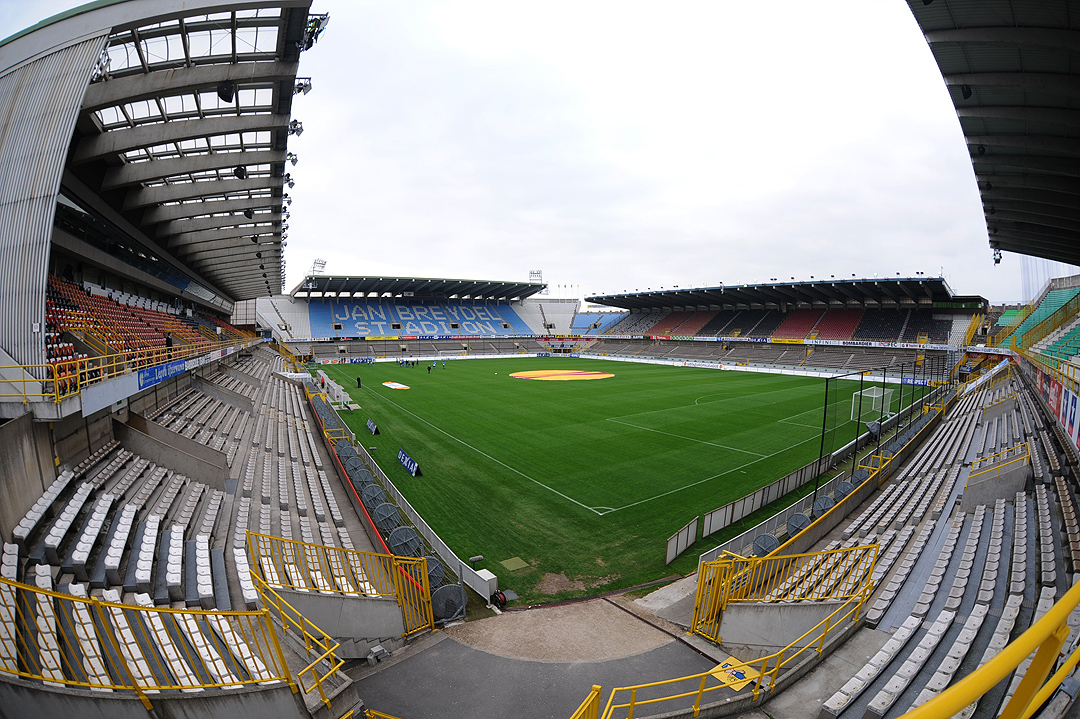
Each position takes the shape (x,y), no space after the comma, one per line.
(1050,303)
(361,318)
(838,324)
(594,323)
(881,325)
(797,324)
(921,323)
(669,324)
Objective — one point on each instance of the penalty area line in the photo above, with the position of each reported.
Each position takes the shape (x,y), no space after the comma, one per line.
(687,439)
(496,461)
(708,479)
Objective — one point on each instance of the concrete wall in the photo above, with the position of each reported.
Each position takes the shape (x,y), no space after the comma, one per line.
(19,699)
(988,488)
(349,617)
(751,630)
(26,468)
(164,453)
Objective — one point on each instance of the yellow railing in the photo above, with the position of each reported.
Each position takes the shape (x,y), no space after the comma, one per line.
(88,643)
(57,381)
(1019,453)
(972,328)
(1060,316)
(1006,332)
(1044,639)
(318,645)
(814,576)
(590,708)
(763,672)
(372,714)
(299,566)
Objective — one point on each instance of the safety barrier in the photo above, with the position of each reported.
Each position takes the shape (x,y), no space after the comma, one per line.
(299,566)
(590,708)
(761,673)
(795,577)
(972,328)
(57,381)
(319,647)
(1045,639)
(372,714)
(1059,317)
(83,642)
(997,462)
(1007,332)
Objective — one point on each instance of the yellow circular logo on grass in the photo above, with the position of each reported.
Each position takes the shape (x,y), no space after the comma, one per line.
(561,375)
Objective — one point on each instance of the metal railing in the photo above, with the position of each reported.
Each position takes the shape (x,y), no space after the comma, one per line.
(319,647)
(997,462)
(972,328)
(83,642)
(761,673)
(57,381)
(814,576)
(1045,639)
(300,566)
(1057,319)
(590,708)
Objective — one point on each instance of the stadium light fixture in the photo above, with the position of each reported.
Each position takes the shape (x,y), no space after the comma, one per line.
(289,181)
(226,91)
(296,128)
(241,172)
(249,213)
(981,149)
(259,255)
(255,239)
(303,85)
(291,157)
(965,91)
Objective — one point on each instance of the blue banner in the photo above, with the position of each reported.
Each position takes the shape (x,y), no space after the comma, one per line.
(408,463)
(372,426)
(155,375)
(919,381)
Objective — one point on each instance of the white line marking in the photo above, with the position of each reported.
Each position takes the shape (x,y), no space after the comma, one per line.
(709,479)
(688,439)
(484,454)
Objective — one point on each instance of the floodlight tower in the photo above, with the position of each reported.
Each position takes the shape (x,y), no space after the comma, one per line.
(317,267)
(538,276)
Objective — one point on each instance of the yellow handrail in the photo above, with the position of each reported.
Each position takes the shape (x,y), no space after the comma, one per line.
(89,624)
(301,566)
(767,668)
(316,642)
(60,380)
(590,708)
(973,327)
(1021,453)
(1059,317)
(1044,638)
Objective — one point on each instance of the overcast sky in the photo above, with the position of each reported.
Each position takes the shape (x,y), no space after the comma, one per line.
(620,145)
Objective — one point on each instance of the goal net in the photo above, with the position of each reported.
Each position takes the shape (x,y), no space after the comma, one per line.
(871,404)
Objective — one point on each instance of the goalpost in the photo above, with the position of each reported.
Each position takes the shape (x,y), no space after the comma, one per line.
(873,400)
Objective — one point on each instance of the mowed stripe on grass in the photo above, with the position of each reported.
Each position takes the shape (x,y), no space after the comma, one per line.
(582,479)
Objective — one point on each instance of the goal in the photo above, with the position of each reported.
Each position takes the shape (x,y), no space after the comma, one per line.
(873,400)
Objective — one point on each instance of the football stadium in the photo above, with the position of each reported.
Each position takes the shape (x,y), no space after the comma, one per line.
(404,497)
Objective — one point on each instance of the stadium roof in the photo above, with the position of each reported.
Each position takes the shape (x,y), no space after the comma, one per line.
(183,130)
(1012,68)
(414,288)
(897,292)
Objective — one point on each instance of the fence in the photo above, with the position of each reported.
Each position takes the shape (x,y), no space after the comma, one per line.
(319,646)
(288,564)
(56,381)
(690,692)
(743,543)
(678,542)
(484,584)
(88,643)
(816,576)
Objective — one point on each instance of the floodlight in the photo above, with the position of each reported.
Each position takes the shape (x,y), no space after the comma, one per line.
(289,181)
(255,239)
(226,91)
(249,213)
(262,267)
(965,91)
(981,149)
(241,172)
(264,274)
(296,128)
(303,84)
(259,255)
(291,157)
(993,210)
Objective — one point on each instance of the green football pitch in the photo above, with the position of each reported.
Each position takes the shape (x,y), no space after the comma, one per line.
(584,481)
